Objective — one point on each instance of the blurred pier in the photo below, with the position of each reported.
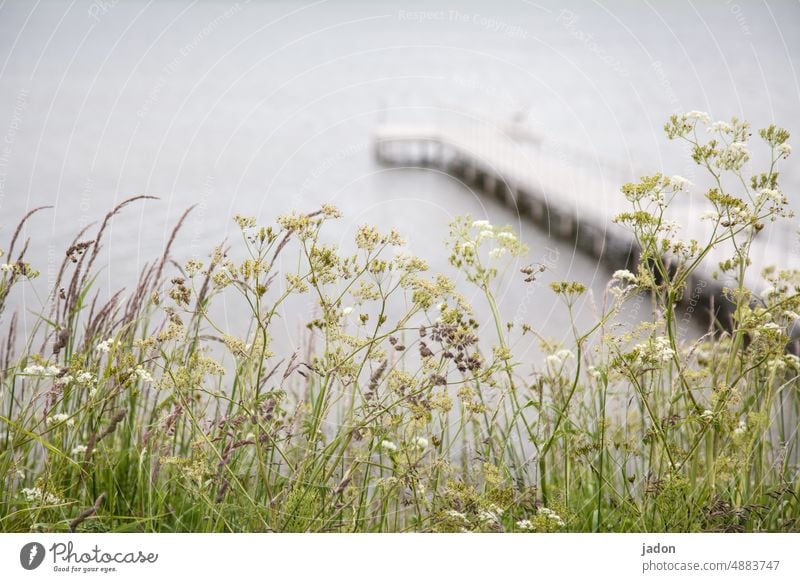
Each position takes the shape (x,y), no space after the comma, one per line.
(551,187)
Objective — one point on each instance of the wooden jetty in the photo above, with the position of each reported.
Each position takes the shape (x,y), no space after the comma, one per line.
(571,205)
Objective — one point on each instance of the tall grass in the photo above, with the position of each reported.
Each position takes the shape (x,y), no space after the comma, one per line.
(403,413)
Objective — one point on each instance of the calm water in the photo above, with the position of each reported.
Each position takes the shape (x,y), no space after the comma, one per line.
(259,108)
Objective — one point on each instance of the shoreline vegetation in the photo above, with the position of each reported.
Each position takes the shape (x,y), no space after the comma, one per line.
(402,413)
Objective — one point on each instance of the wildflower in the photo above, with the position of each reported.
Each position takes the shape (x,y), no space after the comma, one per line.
(60,418)
(36,495)
(5,267)
(65,380)
(486,233)
(468,246)
(663,351)
(772,195)
(793,316)
(741,429)
(509,236)
(557,359)
(497,253)
(481,224)
(624,275)
(784,149)
(457,515)
(720,127)
(707,415)
(79,450)
(595,372)
(734,156)
(37,370)
(701,116)
(421,443)
(487,516)
(347,311)
(104,346)
(388,446)
(84,377)
(143,374)
(679,183)
(525,524)
(711,215)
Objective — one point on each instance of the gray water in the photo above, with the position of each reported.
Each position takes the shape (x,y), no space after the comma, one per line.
(263,107)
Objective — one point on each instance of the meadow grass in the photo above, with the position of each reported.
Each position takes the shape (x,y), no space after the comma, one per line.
(402,413)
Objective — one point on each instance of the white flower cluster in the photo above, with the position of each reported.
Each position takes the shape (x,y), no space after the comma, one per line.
(784,149)
(525,524)
(420,442)
(105,345)
(624,276)
(37,370)
(679,183)
(734,156)
(84,377)
(388,446)
(659,351)
(143,374)
(700,116)
(60,418)
(772,195)
(36,495)
(551,515)
(741,429)
(558,359)
(79,450)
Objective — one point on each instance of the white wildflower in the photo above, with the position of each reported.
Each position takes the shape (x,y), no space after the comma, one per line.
(720,127)
(793,316)
(772,195)
(486,233)
(104,346)
(784,149)
(34,370)
(79,450)
(624,275)
(509,236)
(421,443)
(557,359)
(468,246)
(143,374)
(481,224)
(487,516)
(707,415)
(65,380)
(60,418)
(5,267)
(711,215)
(347,310)
(36,495)
(457,515)
(741,429)
(663,350)
(595,372)
(525,524)
(388,446)
(701,116)
(84,377)
(734,156)
(497,253)
(679,183)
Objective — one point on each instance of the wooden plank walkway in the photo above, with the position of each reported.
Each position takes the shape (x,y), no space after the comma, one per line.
(572,204)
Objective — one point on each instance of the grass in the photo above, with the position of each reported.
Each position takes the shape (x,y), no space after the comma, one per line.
(402,413)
